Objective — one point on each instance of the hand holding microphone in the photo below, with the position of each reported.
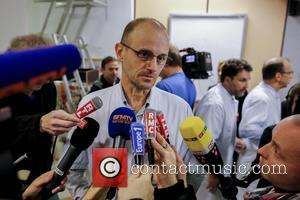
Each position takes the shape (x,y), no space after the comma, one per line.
(80,140)
(34,189)
(170,185)
(165,158)
(57,122)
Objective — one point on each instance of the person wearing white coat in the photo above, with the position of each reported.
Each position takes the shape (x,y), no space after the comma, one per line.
(218,108)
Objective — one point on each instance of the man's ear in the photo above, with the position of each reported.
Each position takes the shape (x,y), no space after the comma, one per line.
(119,51)
(226,79)
(278,76)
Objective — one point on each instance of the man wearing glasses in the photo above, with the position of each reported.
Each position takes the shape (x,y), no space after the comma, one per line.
(143,52)
(262,106)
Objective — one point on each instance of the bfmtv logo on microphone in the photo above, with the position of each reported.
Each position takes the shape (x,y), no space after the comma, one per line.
(110,167)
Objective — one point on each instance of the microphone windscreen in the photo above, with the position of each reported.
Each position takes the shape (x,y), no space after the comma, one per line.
(97,102)
(120,121)
(83,138)
(19,66)
(196,135)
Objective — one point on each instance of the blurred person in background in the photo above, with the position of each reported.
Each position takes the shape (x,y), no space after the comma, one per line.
(174,80)
(34,119)
(109,76)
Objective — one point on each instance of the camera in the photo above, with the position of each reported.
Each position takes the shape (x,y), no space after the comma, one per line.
(196,65)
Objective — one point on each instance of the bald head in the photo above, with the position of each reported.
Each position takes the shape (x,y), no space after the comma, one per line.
(131,27)
(273,66)
(283,151)
(294,119)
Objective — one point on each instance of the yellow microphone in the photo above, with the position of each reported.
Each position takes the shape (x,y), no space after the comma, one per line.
(201,143)
(196,135)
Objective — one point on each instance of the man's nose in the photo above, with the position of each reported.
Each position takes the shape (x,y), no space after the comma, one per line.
(116,72)
(152,64)
(246,84)
(263,151)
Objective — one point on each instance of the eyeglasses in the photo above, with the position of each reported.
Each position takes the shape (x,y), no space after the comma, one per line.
(147,55)
(291,72)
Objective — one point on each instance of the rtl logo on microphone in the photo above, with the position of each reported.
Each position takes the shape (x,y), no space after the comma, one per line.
(110,167)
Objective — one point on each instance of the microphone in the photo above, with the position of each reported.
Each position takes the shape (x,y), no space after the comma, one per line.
(22,69)
(138,142)
(119,129)
(91,106)
(201,143)
(80,140)
(150,132)
(119,125)
(20,159)
(161,125)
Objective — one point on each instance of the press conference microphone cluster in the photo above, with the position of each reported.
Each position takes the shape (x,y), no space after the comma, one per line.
(201,143)
(81,139)
(22,69)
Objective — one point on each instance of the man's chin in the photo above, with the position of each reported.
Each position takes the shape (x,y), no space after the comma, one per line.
(240,94)
(146,86)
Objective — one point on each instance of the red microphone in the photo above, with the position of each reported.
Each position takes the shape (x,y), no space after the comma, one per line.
(91,106)
(150,132)
(161,125)
(150,123)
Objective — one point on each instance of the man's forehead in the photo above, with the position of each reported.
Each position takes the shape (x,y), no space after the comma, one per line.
(242,75)
(287,64)
(148,29)
(287,135)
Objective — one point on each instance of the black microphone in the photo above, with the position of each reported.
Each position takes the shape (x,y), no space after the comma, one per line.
(80,140)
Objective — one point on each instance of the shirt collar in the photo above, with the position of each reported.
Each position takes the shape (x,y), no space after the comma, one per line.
(223,89)
(271,89)
(125,102)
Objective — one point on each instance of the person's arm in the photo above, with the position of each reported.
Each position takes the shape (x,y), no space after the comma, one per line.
(213,114)
(27,137)
(177,192)
(57,122)
(34,189)
(170,186)
(255,113)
